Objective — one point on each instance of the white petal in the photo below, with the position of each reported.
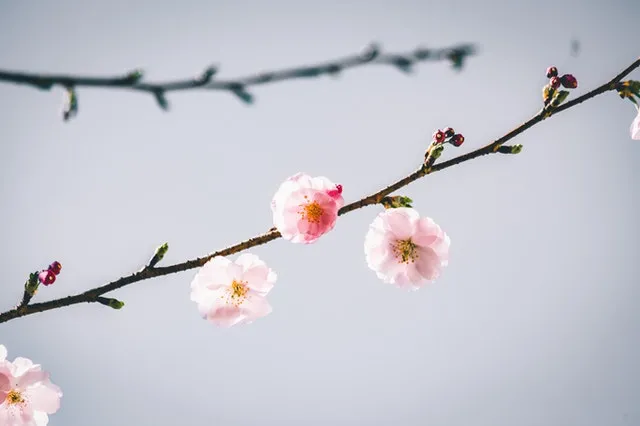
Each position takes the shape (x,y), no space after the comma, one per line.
(44,397)
(21,365)
(40,418)
(402,222)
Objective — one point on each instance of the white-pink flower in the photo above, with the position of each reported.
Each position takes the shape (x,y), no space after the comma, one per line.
(230,293)
(405,249)
(305,208)
(635,127)
(27,395)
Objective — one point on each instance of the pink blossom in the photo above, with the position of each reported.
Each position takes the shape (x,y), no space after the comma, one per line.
(27,395)
(635,127)
(230,293)
(405,249)
(305,208)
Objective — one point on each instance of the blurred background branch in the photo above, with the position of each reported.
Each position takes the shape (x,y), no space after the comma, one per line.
(371,55)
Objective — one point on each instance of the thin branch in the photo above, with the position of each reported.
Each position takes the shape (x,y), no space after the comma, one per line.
(94,295)
(372,55)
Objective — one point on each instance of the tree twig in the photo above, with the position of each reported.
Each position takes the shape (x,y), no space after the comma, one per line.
(94,295)
(372,55)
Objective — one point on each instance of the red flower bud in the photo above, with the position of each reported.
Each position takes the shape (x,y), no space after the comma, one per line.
(555,82)
(552,72)
(448,132)
(47,277)
(55,267)
(457,140)
(569,81)
(335,192)
(438,136)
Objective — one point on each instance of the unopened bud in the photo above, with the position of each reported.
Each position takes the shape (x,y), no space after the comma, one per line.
(569,81)
(31,286)
(457,140)
(55,267)
(438,136)
(47,277)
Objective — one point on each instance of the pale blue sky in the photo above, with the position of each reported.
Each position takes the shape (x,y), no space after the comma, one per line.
(533,323)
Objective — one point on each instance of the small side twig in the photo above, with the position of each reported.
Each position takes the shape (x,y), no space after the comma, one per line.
(95,294)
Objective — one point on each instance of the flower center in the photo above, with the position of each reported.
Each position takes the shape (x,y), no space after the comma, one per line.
(312,212)
(14,397)
(405,250)
(237,293)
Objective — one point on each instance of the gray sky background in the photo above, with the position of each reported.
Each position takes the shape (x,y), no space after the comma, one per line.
(535,321)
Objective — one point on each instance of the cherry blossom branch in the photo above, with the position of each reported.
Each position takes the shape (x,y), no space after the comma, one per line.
(428,167)
(133,80)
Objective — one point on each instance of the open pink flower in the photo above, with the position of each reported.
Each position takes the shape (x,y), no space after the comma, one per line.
(405,249)
(230,293)
(27,395)
(305,208)
(635,127)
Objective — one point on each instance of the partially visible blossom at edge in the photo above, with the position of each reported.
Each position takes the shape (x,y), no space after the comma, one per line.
(635,127)
(229,293)
(305,208)
(405,249)
(27,395)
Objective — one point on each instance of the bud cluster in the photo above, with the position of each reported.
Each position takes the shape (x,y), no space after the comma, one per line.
(448,135)
(48,276)
(550,93)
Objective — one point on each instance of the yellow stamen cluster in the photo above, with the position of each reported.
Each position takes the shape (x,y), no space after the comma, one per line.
(237,293)
(312,212)
(14,397)
(405,251)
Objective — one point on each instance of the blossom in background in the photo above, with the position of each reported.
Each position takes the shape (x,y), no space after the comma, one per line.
(635,127)
(27,395)
(230,293)
(405,249)
(305,208)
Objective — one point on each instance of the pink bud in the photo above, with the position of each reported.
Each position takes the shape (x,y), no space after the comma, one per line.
(457,140)
(552,72)
(55,267)
(438,136)
(333,193)
(555,82)
(47,277)
(569,81)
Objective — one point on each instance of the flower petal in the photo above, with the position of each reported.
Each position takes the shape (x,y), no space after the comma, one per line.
(40,418)
(225,315)
(16,415)
(260,278)
(30,377)
(428,264)
(256,306)
(214,274)
(402,222)
(427,232)
(21,365)
(44,397)
(635,127)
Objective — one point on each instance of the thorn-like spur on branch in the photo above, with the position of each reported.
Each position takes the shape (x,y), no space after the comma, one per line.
(381,197)
(133,80)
